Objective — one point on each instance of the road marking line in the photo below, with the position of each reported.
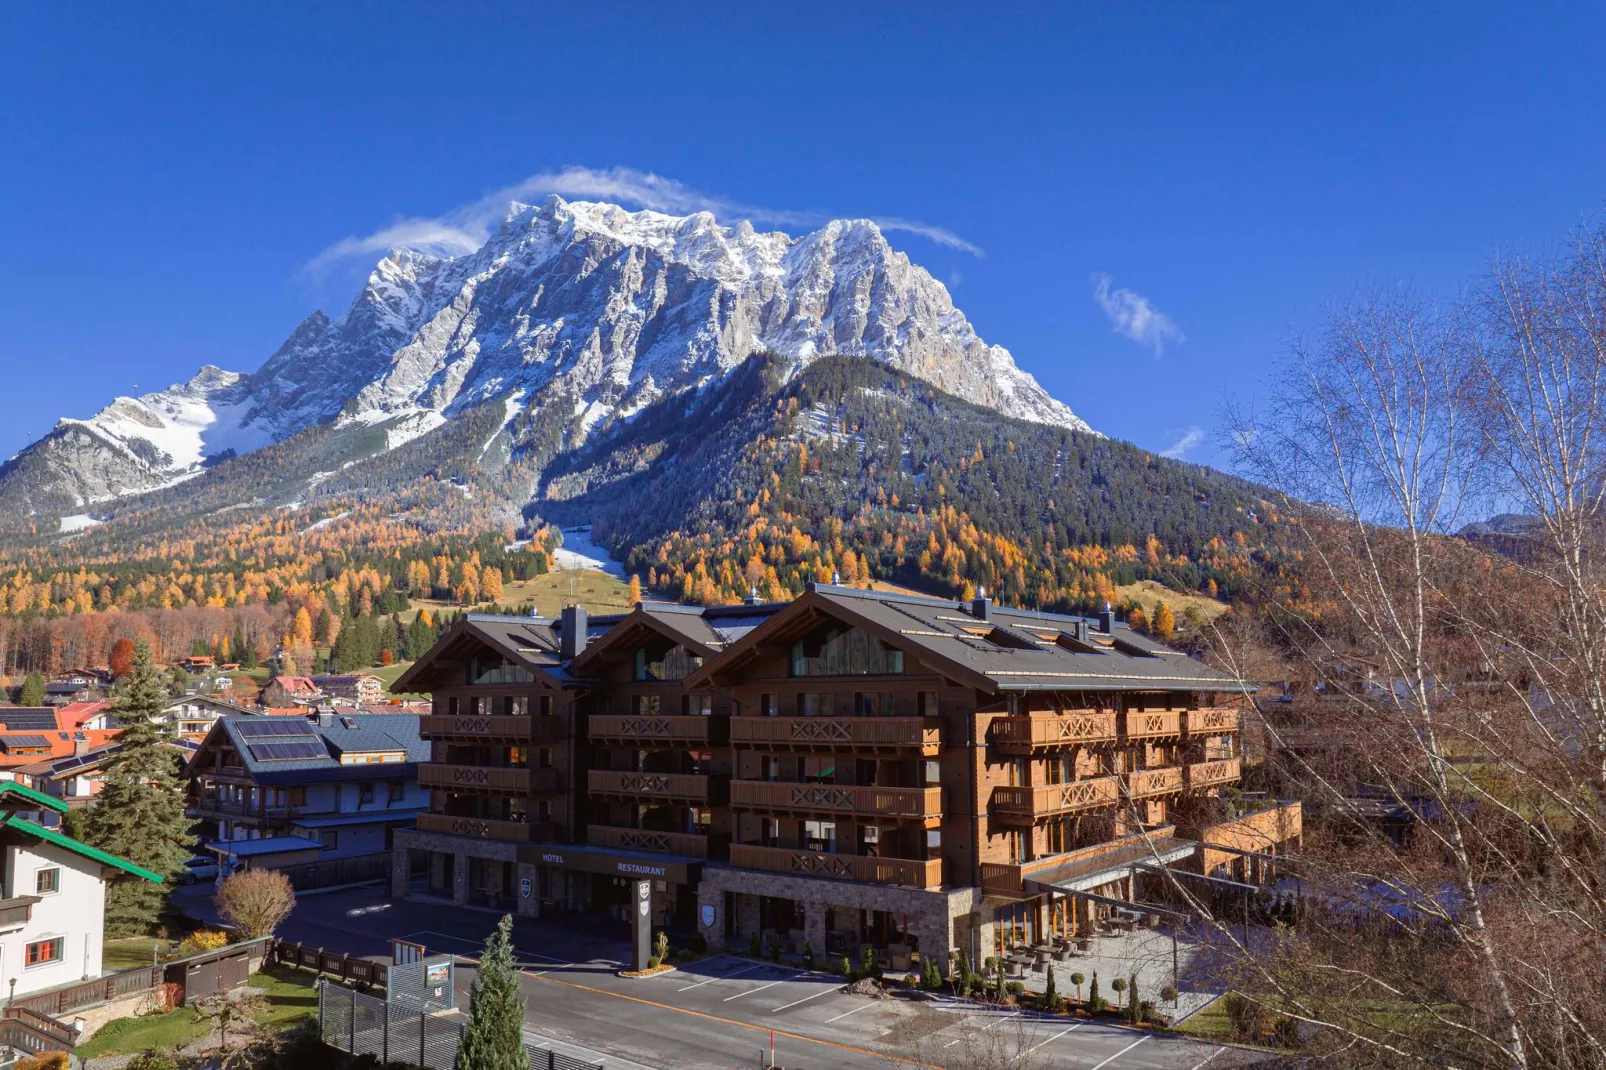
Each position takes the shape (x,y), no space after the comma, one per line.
(1120,1053)
(999,1021)
(1055,1037)
(844,1014)
(739,1024)
(805,999)
(1209,1058)
(750,991)
(725,977)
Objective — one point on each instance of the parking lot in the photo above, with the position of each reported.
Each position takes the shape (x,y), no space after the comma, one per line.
(814,1021)
(722,1010)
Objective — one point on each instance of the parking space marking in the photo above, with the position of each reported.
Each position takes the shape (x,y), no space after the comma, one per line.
(750,991)
(1055,1037)
(805,999)
(1120,1053)
(725,977)
(1208,1058)
(844,1014)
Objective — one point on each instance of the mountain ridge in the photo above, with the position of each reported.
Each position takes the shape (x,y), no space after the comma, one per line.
(585,311)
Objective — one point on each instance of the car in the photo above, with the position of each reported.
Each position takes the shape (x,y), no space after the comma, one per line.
(198,868)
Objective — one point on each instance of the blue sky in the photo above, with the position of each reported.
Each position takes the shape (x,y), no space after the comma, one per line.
(1205,177)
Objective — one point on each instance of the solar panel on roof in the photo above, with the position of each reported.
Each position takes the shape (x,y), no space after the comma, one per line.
(273,726)
(25,741)
(28,718)
(282,752)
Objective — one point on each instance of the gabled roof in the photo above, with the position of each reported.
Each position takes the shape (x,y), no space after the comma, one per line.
(15,795)
(533,642)
(282,751)
(682,625)
(23,825)
(75,714)
(1008,650)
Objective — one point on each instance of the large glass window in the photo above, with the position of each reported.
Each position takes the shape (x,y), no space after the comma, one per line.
(676,663)
(815,704)
(490,669)
(874,704)
(845,652)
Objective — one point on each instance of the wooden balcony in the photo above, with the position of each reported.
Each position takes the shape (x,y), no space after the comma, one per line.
(1047,800)
(1210,721)
(1151,724)
(902,872)
(1206,775)
(645,729)
(18,911)
(684,844)
(449,777)
(1147,783)
(1002,879)
(664,787)
(1046,730)
(870,733)
(480,828)
(916,803)
(489,726)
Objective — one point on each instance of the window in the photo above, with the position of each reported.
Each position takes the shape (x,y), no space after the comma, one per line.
(645,705)
(697,705)
(546,705)
(44,952)
(844,652)
(928,704)
(367,794)
(767,706)
(298,796)
(543,810)
(543,758)
(451,706)
(676,663)
(330,838)
(819,836)
(398,792)
(874,704)
(47,881)
(814,704)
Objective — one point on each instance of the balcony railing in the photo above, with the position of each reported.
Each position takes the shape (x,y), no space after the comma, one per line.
(1152,724)
(671,843)
(206,806)
(1211,721)
(489,726)
(1046,800)
(473,776)
(686,787)
(482,828)
(1053,729)
(803,732)
(1148,782)
(920,803)
(16,912)
(643,728)
(903,872)
(1213,774)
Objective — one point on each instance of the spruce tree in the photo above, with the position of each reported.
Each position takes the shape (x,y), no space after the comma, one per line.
(139,814)
(494,1037)
(33,690)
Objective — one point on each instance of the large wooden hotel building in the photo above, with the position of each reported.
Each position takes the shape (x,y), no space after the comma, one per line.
(849,767)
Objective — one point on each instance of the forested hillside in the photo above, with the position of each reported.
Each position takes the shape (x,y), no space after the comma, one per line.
(857,469)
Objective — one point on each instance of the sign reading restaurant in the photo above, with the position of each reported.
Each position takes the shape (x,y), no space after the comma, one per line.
(591,860)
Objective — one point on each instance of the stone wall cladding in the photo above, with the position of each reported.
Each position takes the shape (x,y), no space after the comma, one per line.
(930,913)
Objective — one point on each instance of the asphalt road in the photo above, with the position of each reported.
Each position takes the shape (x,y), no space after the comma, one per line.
(722,1011)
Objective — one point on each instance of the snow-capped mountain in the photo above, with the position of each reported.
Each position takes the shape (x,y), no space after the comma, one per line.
(583,312)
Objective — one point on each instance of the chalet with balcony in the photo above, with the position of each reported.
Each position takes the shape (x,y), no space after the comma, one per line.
(849,767)
(346,782)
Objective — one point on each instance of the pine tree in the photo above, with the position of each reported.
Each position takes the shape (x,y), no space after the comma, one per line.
(33,690)
(1051,996)
(494,1036)
(139,814)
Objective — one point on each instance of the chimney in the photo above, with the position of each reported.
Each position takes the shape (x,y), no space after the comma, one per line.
(1107,619)
(752,595)
(982,607)
(574,632)
(80,747)
(836,579)
(1081,631)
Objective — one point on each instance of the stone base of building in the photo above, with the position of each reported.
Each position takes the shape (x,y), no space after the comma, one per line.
(735,905)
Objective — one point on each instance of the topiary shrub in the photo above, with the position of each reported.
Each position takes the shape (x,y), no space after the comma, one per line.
(1078,980)
(1169,993)
(653,962)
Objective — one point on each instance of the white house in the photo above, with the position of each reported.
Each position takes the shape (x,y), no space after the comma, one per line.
(54,897)
(195,714)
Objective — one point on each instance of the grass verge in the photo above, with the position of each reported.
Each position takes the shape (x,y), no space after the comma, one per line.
(291,995)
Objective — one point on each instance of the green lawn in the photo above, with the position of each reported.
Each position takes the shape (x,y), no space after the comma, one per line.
(291,996)
(1211,1023)
(133,952)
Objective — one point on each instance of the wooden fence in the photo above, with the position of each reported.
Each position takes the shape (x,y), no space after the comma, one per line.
(348,968)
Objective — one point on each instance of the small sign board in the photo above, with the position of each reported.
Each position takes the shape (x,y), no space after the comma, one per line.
(524,888)
(425,986)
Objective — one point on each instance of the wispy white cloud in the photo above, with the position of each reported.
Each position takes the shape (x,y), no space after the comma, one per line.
(465,228)
(1134,316)
(1190,439)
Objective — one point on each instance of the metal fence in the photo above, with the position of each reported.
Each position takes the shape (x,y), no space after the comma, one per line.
(361,1024)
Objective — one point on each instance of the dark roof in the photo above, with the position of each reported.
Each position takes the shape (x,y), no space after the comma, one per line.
(26,718)
(292,750)
(9,742)
(1009,650)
